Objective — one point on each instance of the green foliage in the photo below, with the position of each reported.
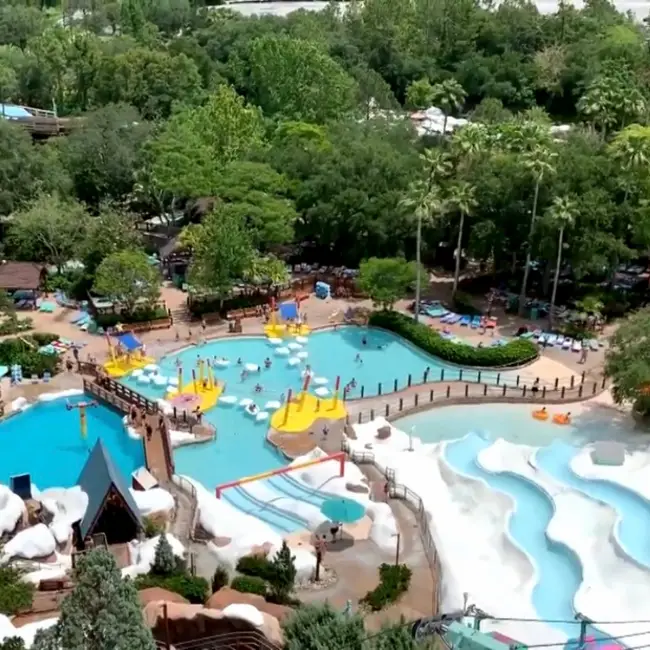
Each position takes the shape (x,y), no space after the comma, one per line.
(164,563)
(257,565)
(193,588)
(102,612)
(12,643)
(13,325)
(127,278)
(15,593)
(387,280)
(627,361)
(220,578)
(394,580)
(249,585)
(283,573)
(23,351)
(152,528)
(512,354)
(138,315)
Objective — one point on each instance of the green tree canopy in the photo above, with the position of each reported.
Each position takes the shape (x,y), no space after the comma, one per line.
(387,280)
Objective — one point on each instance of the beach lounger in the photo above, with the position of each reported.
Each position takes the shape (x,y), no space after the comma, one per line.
(491,323)
(593,345)
(447,316)
(560,341)
(476,322)
(551,339)
(34,379)
(577,346)
(537,333)
(568,342)
(454,319)
(46,377)
(526,336)
(465,321)
(542,337)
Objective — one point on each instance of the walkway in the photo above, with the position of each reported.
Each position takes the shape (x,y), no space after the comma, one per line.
(154,449)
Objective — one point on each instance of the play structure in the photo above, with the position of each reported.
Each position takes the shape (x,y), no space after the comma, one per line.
(299,413)
(201,393)
(83,420)
(126,356)
(339,456)
(286,320)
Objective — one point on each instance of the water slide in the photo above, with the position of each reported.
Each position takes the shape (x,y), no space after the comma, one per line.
(632,529)
(279,519)
(290,487)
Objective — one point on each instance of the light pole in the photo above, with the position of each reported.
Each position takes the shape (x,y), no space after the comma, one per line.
(397,547)
(418,272)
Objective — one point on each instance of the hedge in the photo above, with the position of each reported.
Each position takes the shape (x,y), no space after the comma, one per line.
(258,566)
(249,585)
(513,353)
(141,315)
(394,580)
(192,588)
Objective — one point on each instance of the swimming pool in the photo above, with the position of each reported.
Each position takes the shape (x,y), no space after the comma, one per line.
(633,526)
(559,571)
(45,442)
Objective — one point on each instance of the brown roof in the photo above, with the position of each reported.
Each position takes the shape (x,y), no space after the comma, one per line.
(20,275)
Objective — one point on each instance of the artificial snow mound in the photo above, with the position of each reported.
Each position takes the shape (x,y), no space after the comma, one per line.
(11,510)
(67,505)
(31,543)
(152,500)
(143,554)
(244,612)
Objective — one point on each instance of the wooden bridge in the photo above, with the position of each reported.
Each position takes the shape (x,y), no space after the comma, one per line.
(42,123)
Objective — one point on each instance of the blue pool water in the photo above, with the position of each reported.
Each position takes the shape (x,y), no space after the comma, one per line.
(559,571)
(634,524)
(45,442)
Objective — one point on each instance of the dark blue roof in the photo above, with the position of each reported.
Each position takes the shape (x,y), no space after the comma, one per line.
(96,479)
(129,342)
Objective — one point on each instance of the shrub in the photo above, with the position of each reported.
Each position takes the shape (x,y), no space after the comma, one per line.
(258,566)
(14,325)
(283,573)
(249,585)
(220,579)
(193,588)
(152,528)
(141,315)
(513,353)
(394,580)
(24,352)
(15,594)
(164,563)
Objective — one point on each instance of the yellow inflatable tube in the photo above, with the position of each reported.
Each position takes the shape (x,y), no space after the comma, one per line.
(540,415)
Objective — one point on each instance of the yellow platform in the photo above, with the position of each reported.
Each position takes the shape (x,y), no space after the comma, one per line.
(304,410)
(208,396)
(124,365)
(279,331)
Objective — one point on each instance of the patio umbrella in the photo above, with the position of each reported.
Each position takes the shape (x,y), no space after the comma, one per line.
(343,510)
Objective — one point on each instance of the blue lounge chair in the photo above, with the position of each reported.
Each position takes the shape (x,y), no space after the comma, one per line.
(560,341)
(447,316)
(476,322)
(537,333)
(465,321)
(78,316)
(542,337)
(454,319)
(526,336)
(551,339)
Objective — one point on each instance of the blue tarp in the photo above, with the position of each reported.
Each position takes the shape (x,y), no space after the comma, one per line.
(129,342)
(289,310)
(10,111)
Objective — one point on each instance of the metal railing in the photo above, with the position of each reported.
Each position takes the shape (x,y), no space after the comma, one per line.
(415,503)
(244,640)
(186,487)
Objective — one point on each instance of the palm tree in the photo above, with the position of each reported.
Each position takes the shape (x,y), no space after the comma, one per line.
(598,104)
(461,199)
(562,213)
(423,199)
(539,162)
(448,95)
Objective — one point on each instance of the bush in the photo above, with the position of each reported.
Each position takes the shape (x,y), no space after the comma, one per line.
(15,594)
(152,528)
(394,580)
(258,566)
(141,315)
(14,325)
(516,352)
(24,352)
(249,585)
(220,579)
(193,588)
(200,305)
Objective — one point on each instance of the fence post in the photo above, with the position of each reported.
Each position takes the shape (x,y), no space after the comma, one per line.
(442,374)
(580,390)
(604,382)
(410,380)
(563,389)
(484,389)
(572,380)
(478,377)
(505,387)
(401,403)
(387,410)
(460,375)
(523,392)
(557,381)
(448,391)
(466,390)
(431,395)
(372,414)
(359,417)
(379,388)
(582,377)
(518,380)
(363,390)
(543,391)
(395,385)
(498,378)
(595,388)
(415,399)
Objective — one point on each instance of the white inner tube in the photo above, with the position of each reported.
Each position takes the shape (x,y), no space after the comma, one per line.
(272,405)
(294,346)
(282,352)
(321,381)
(228,399)
(322,391)
(251,367)
(294,361)
(274,341)
(302,339)
(137,372)
(302,355)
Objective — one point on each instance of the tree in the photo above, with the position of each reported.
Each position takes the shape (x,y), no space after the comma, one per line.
(461,200)
(424,199)
(12,643)
(164,563)
(50,229)
(15,593)
(283,572)
(627,361)
(298,80)
(128,279)
(419,94)
(387,280)
(539,163)
(562,215)
(222,252)
(449,96)
(102,612)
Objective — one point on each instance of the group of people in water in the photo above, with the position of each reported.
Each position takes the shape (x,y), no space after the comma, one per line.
(558,418)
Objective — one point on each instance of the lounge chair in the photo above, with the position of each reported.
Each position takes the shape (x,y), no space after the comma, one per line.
(476,322)
(537,333)
(568,342)
(34,379)
(560,341)
(551,339)
(491,323)
(542,337)
(593,345)
(46,377)
(454,319)
(577,346)
(526,336)
(447,316)
(465,321)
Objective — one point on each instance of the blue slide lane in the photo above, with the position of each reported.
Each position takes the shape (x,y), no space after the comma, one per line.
(295,490)
(280,520)
(633,527)
(558,569)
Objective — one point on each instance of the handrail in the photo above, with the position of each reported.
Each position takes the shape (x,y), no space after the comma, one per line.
(188,488)
(268,506)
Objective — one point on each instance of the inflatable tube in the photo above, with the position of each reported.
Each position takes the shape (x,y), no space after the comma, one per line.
(322,391)
(294,346)
(152,367)
(282,352)
(540,415)
(321,381)
(261,416)
(143,379)
(160,381)
(272,405)
(274,341)
(301,339)
(173,382)
(228,399)
(294,361)
(561,418)
(252,409)
(247,401)
(137,373)
(222,363)
(302,355)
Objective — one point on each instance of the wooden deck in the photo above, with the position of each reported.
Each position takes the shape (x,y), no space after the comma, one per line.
(156,458)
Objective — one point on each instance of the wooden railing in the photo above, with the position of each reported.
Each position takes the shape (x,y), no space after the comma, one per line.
(118,395)
(244,640)
(399,491)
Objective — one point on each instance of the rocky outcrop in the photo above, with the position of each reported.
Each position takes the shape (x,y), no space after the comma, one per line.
(227,596)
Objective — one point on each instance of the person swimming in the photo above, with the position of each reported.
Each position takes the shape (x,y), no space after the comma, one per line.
(239,361)
(358,358)
(267,363)
(259,388)
(244,375)
(364,341)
